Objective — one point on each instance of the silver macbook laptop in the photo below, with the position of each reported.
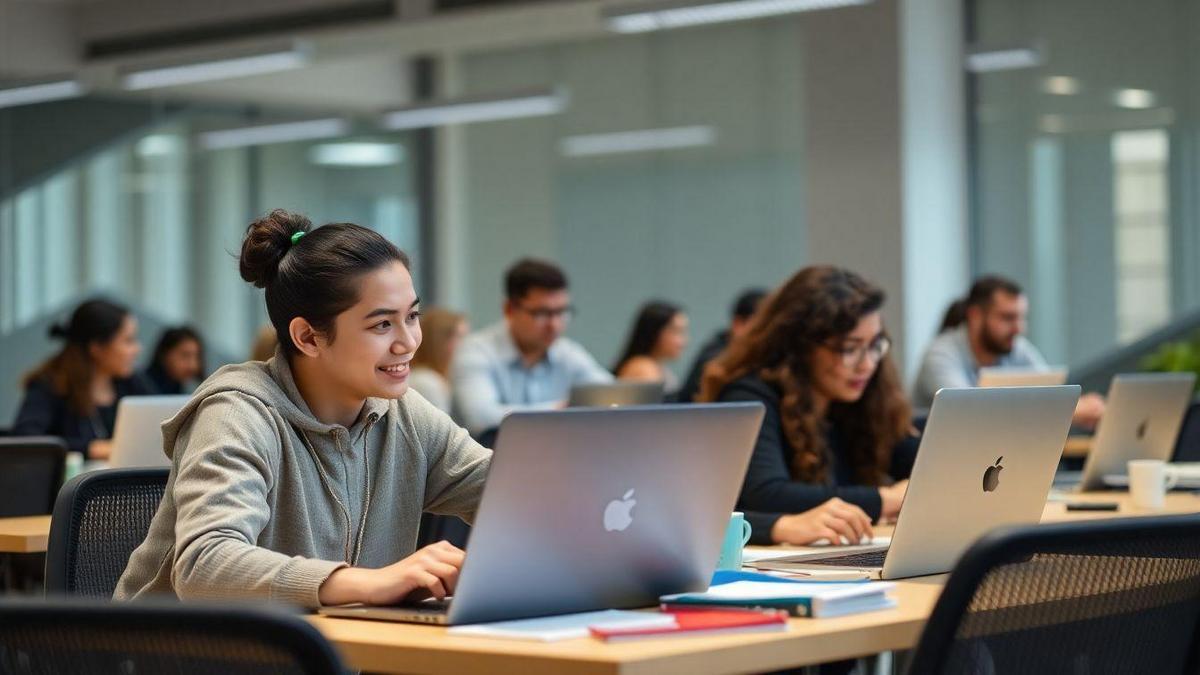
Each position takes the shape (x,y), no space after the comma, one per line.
(137,438)
(1022,377)
(986,460)
(613,394)
(596,508)
(1141,421)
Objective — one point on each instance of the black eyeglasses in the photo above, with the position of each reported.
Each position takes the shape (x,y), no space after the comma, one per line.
(853,355)
(548,313)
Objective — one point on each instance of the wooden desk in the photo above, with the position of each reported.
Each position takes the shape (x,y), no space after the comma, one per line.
(27,534)
(395,648)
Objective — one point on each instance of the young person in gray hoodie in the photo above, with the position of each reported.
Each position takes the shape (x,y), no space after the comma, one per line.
(303,479)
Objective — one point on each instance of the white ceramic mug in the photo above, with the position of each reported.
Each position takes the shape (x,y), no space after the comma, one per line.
(1149,482)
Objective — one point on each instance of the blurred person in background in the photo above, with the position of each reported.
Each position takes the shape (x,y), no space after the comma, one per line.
(743,309)
(443,330)
(658,337)
(178,362)
(264,345)
(523,362)
(74,394)
(990,332)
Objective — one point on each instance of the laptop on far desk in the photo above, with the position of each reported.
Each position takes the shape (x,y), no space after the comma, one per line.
(986,460)
(1141,421)
(596,508)
(137,436)
(613,394)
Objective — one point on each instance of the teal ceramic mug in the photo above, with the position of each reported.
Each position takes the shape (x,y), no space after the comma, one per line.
(736,536)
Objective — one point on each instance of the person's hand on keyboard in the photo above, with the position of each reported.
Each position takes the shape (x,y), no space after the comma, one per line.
(430,572)
(833,521)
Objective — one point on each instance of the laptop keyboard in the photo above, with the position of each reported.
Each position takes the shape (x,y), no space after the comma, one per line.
(866,559)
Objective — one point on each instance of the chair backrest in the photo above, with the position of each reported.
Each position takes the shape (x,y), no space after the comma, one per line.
(1112,596)
(1187,444)
(71,635)
(31,471)
(99,518)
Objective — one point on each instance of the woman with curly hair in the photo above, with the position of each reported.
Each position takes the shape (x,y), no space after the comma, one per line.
(836,447)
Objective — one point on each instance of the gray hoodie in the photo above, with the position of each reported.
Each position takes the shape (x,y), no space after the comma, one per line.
(265,501)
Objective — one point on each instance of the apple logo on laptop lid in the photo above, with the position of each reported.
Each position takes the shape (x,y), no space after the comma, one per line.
(991,477)
(618,515)
(1141,430)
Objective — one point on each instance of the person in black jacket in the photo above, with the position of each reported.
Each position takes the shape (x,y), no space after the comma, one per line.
(837,434)
(178,361)
(743,310)
(74,393)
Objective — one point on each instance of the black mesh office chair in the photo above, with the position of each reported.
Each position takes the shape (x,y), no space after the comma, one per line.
(99,518)
(70,635)
(31,471)
(1105,596)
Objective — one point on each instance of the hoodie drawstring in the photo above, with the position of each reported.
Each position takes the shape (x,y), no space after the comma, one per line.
(352,558)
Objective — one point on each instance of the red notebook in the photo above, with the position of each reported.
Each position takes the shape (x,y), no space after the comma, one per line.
(702,621)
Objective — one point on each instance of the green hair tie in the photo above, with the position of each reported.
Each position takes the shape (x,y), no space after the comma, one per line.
(297,235)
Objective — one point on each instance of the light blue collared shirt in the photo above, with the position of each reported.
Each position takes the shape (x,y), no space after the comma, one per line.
(950,363)
(490,380)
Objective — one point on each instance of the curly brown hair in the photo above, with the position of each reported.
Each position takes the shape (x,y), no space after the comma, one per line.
(816,305)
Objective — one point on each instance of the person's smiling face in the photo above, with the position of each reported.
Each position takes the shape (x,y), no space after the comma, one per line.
(375,339)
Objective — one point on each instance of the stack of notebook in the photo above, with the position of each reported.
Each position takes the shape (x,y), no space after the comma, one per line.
(696,621)
(803,598)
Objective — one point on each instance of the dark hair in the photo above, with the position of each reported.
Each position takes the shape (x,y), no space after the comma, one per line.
(747,302)
(954,317)
(985,288)
(651,319)
(817,305)
(527,274)
(172,338)
(69,372)
(314,276)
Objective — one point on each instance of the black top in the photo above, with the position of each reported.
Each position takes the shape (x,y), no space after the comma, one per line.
(769,491)
(162,382)
(709,351)
(45,413)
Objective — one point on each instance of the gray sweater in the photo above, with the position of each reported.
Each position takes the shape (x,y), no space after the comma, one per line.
(265,501)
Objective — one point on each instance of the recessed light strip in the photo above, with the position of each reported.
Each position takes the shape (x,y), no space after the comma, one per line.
(216,69)
(662,16)
(267,134)
(477,110)
(40,93)
(643,140)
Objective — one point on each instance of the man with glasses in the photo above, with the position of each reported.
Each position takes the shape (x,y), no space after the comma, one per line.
(522,362)
(991,334)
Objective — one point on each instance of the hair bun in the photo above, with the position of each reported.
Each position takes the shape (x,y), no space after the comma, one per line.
(57,330)
(267,241)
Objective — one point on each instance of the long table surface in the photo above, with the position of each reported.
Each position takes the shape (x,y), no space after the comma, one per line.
(409,648)
(24,534)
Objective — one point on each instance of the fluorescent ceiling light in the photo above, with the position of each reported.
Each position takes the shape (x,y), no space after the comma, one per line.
(1003,59)
(1061,85)
(216,69)
(643,140)
(40,93)
(664,15)
(356,154)
(537,104)
(266,134)
(1135,99)
(158,145)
